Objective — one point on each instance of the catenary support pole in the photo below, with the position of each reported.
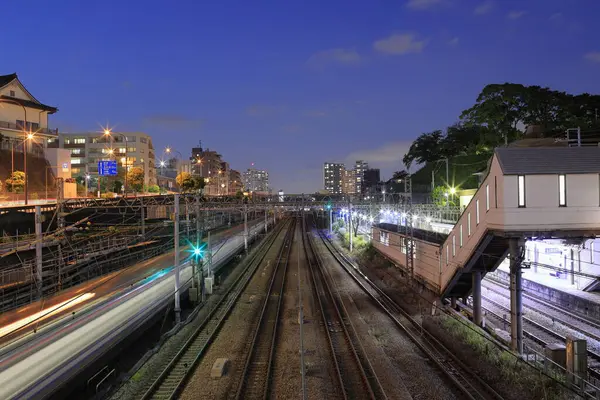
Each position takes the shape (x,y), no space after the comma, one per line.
(177,266)
(246,228)
(143,218)
(516,296)
(350,224)
(38,250)
(266,221)
(330,220)
(477,297)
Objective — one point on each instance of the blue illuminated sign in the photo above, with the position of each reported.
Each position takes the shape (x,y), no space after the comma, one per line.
(107,168)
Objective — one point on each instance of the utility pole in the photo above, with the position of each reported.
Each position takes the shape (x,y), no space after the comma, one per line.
(177,266)
(266,223)
(330,220)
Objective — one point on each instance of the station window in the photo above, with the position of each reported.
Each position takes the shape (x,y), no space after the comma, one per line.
(469,224)
(453,245)
(477,212)
(461,236)
(562,190)
(447,254)
(521,190)
(487,198)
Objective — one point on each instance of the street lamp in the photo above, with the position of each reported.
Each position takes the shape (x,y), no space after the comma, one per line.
(109,133)
(87,179)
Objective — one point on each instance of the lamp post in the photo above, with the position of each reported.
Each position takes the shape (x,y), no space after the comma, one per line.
(87,179)
(27,136)
(110,134)
(169,150)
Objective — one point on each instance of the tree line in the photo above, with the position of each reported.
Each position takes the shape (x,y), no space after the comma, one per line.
(496,115)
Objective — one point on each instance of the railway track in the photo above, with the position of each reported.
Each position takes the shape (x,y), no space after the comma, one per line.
(355,374)
(584,325)
(464,379)
(256,376)
(175,372)
(539,333)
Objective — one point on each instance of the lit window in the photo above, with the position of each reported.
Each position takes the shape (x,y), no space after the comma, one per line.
(562,190)
(487,197)
(453,245)
(521,190)
(79,140)
(75,160)
(75,151)
(461,236)
(469,224)
(477,212)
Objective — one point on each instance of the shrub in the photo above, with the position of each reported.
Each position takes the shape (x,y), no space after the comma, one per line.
(153,189)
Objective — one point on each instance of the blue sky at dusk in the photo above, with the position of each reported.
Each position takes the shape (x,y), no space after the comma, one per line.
(289,85)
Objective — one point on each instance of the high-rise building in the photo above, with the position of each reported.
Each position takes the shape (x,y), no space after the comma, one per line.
(129,149)
(333,176)
(359,171)
(256,180)
(349,182)
(371,179)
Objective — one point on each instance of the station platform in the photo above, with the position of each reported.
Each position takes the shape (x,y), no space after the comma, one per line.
(556,290)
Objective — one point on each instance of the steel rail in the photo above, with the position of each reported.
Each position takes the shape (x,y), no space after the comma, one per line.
(256,374)
(345,345)
(177,371)
(471,385)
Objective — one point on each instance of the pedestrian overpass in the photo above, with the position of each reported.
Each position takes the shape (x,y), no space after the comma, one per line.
(528,194)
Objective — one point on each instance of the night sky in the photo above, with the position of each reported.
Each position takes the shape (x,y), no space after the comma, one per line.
(291,84)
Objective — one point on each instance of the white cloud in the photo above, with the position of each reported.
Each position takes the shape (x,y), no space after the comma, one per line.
(484,7)
(324,58)
(383,156)
(593,56)
(400,44)
(423,4)
(454,41)
(516,14)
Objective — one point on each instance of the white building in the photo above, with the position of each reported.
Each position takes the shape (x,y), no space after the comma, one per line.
(20,111)
(130,149)
(256,180)
(528,194)
(333,177)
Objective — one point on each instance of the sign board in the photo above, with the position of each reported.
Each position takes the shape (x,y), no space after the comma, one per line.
(65,167)
(107,168)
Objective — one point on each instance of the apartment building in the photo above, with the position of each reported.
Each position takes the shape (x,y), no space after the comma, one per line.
(359,172)
(129,149)
(235,182)
(333,177)
(256,180)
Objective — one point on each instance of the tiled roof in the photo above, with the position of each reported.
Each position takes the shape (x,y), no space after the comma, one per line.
(548,160)
(6,79)
(31,104)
